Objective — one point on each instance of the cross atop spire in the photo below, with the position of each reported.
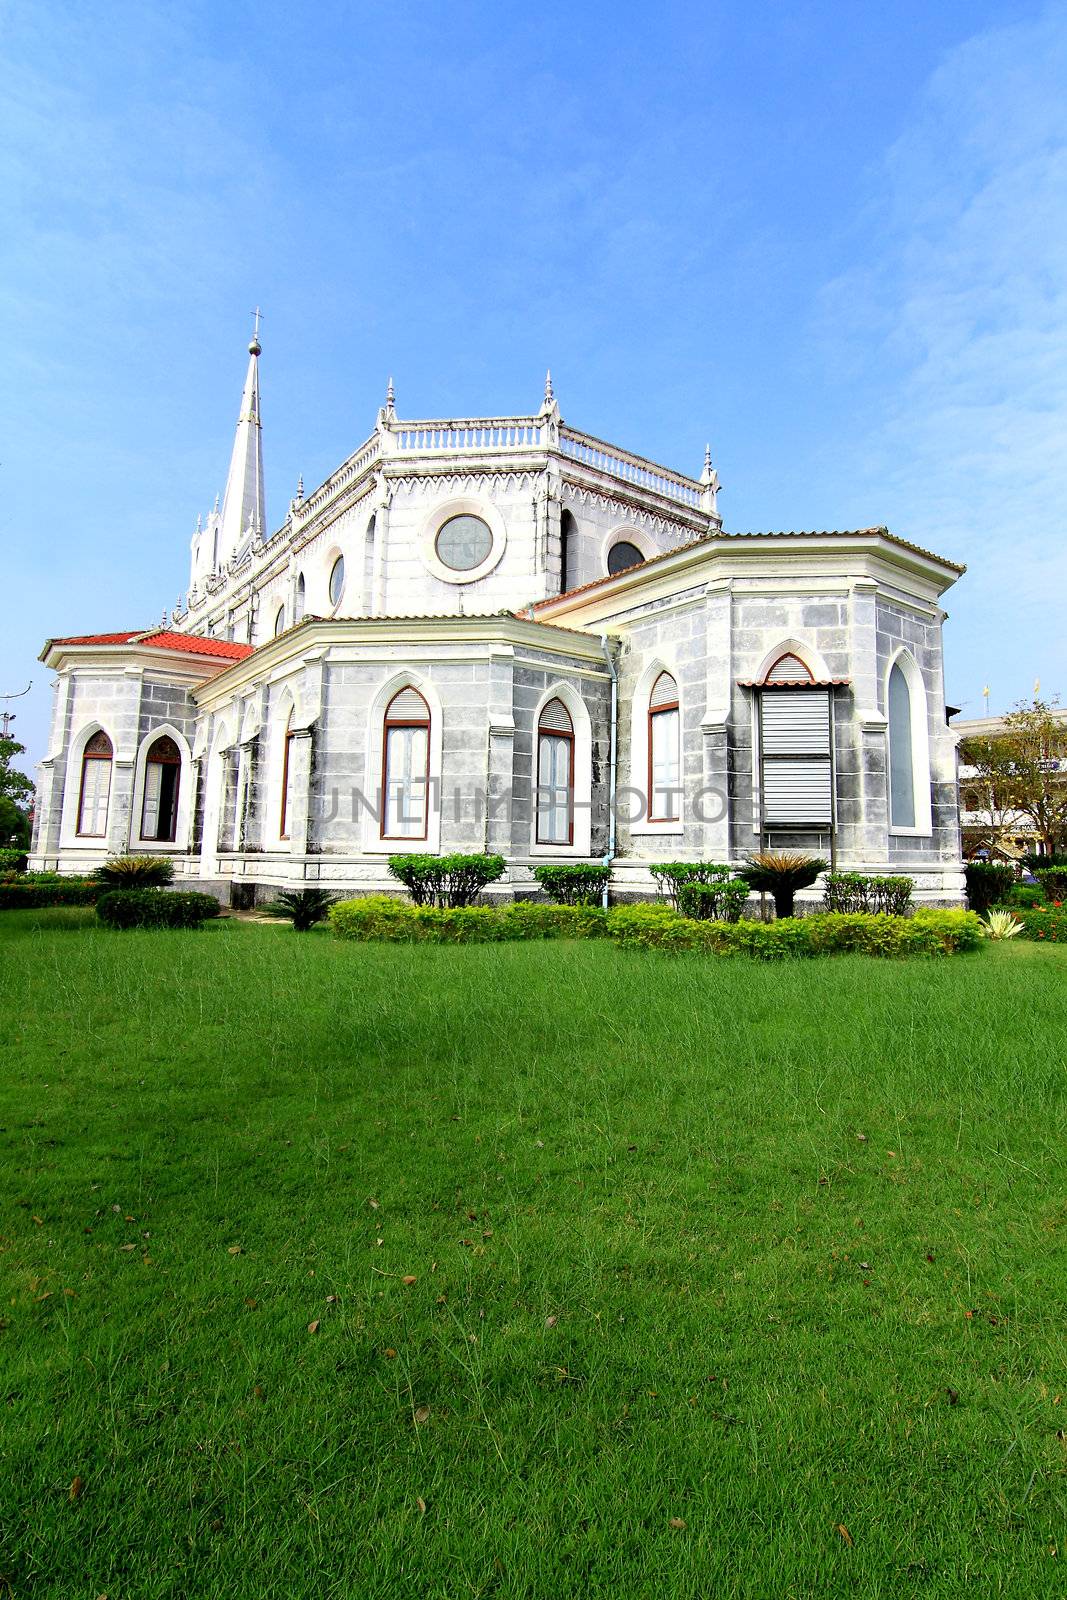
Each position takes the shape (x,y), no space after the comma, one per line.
(254,345)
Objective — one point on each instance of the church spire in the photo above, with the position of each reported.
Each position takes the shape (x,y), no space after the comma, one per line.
(242,503)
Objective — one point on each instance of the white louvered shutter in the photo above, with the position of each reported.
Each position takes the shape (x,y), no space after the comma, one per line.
(795,727)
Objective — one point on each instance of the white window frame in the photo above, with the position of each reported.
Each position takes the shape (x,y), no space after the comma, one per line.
(920,747)
(372,841)
(640,727)
(183,822)
(582,776)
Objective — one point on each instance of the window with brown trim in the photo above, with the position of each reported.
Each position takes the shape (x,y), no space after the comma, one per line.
(664,751)
(555,775)
(283,823)
(162,779)
(406,767)
(95,787)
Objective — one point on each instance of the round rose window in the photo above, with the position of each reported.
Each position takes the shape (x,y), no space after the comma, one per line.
(463,543)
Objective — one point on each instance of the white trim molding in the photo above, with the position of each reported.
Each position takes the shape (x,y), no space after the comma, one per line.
(469,506)
(919,706)
(582,777)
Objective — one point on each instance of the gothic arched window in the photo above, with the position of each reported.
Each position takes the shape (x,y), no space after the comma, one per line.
(287,777)
(95,786)
(406,767)
(901,753)
(555,775)
(623,555)
(162,778)
(301,596)
(664,751)
(279,621)
(568,531)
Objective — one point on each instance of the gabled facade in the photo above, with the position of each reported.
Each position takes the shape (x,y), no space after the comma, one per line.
(504,633)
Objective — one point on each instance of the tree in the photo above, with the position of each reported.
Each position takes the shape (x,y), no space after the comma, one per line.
(16,792)
(1022,771)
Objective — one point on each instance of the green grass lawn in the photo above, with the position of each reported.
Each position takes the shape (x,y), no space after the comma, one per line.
(527,1270)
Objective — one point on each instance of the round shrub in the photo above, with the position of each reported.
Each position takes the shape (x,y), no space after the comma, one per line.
(574,883)
(988,883)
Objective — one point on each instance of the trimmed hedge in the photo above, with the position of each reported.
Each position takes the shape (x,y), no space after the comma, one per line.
(856,891)
(574,883)
(671,875)
(988,882)
(155,908)
(13,860)
(33,890)
(383,917)
(657,927)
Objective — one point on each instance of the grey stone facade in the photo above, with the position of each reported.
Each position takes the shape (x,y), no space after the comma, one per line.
(253,693)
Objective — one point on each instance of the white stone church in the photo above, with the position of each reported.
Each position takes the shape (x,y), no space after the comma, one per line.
(504,634)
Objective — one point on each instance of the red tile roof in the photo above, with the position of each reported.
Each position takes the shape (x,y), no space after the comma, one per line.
(192,644)
(160,639)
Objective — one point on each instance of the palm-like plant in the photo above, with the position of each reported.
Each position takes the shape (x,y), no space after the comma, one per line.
(998,924)
(136,872)
(781,873)
(303,907)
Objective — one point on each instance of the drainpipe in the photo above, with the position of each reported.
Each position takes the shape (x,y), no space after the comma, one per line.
(609,657)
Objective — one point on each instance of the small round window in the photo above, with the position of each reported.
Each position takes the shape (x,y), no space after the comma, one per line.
(623,555)
(463,543)
(337,580)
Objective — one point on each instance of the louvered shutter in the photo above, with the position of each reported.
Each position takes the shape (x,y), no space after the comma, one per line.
(407,706)
(795,727)
(664,692)
(555,718)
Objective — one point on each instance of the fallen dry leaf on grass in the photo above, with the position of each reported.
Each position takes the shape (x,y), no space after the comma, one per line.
(421,1503)
(409,1280)
(77,1485)
(678,1523)
(843,1531)
(313,1327)
(422,1414)
(234,1250)
(550,1322)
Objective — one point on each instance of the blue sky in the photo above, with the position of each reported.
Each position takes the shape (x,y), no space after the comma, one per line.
(829,238)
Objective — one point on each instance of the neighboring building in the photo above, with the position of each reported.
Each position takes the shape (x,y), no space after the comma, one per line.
(508,606)
(988,829)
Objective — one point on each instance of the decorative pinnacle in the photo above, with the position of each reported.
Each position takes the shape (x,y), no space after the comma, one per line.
(550,394)
(390,395)
(199,523)
(707,458)
(254,346)
(163,619)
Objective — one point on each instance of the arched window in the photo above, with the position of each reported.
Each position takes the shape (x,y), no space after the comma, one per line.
(568,530)
(95,787)
(788,669)
(279,621)
(287,778)
(215,552)
(406,767)
(555,775)
(298,604)
(901,752)
(162,777)
(623,555)
(368,568)
(664,751)
(337,581)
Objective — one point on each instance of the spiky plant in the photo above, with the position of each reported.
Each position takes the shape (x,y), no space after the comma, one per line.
(302,907)
(781,873)
(997,924)
(136,872)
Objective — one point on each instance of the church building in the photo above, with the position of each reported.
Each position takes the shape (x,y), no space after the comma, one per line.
(504,634)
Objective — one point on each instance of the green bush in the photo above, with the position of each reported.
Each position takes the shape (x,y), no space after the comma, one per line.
(1034,862)
(136,872)
(723,901)
(988,883)
(154,908)
(1046,923)
(576,883)
(32,890)
(1053,881)
(302,907)
(13,860)
(383,917)
(453,880)
(671,875)
(1024,896)
(856,891)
